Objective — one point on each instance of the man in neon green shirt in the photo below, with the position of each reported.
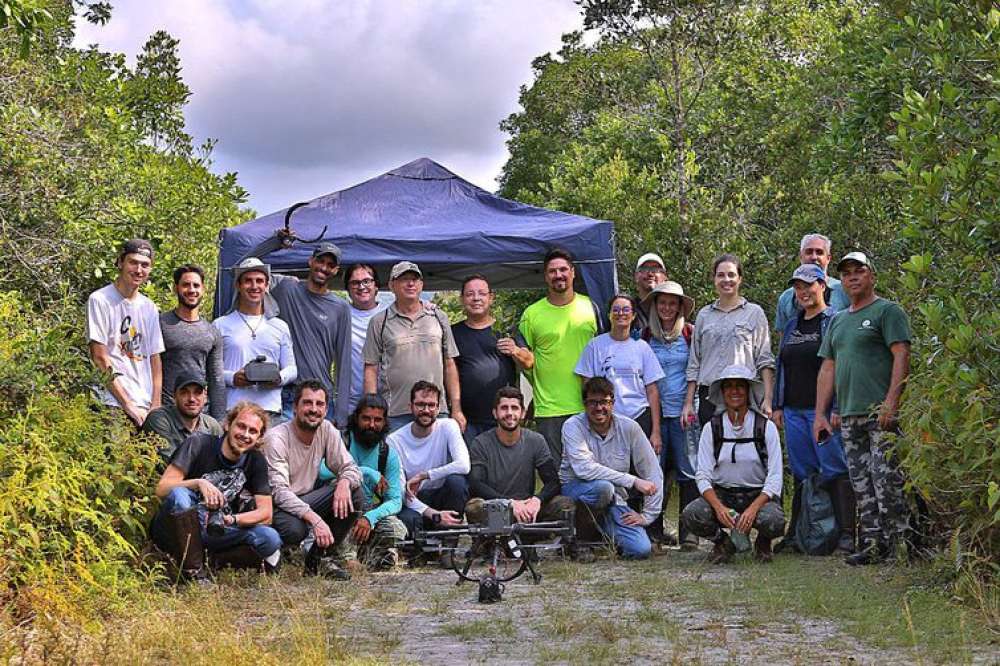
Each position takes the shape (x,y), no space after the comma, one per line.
(556,329)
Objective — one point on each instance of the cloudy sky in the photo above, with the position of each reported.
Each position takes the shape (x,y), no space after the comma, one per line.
(307,97)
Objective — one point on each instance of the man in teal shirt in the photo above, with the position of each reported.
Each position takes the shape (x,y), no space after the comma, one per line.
(377,532)
(866,356)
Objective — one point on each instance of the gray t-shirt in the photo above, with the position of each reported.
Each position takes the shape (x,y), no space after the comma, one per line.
(166,422)
(509,470)
(193,346)
(321,336)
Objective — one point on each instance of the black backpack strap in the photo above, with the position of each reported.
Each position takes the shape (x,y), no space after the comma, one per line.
(760,437)
(383,456)
(717,439)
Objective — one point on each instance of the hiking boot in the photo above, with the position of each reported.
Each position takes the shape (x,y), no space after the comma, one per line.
(845,511)
(723,550)
(762,550)
(788,542)
(689,543)
(873,553)
(320,564)
(582,554)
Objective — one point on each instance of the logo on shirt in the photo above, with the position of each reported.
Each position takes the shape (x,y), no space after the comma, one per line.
(866,325)
(131,339)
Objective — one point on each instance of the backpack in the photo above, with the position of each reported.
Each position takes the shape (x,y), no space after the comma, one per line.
(759,438)
(816,530)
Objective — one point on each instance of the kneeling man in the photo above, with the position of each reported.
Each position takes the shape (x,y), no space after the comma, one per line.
(599,449)
(378,531)
(305,503)
(216,496)
(504,460)
(181,419)
(435,461)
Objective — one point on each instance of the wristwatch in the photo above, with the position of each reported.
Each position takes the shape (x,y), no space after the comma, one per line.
(436,518)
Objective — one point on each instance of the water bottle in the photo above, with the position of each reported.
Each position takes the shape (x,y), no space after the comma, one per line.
(740,541)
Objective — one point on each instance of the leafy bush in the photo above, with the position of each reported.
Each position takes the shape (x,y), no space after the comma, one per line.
(75,484)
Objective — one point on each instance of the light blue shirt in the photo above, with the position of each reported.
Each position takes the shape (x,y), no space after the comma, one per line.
(628,364)
(673,359)
(788,307)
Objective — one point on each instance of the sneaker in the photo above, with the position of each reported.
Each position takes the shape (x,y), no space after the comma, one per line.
(723,551)
(389,560)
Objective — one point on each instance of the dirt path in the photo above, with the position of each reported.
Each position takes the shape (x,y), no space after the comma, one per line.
(673,608)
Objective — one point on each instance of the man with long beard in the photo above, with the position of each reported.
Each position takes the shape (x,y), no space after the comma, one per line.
(377,532)
(303,502)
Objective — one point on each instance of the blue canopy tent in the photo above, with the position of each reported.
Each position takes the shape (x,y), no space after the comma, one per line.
(424,213)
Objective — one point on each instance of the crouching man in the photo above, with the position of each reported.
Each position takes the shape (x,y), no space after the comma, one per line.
(216,496)
(376,533)
(739,470)
(435,461)
(599,449)
(504,460)
(304,502)
(178,421)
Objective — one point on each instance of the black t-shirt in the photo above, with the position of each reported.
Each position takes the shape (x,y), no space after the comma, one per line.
(200,457)
(482,370)
(800,360)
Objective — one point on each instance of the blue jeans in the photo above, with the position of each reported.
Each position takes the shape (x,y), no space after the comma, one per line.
(450,496)
(674,455)
(263,539)
(805,456)
(631,540)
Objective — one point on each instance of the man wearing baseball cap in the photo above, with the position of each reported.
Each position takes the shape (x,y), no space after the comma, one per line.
(649,272)
(407,343)
(178,421)
(320,324)
(123,329)
(866,356)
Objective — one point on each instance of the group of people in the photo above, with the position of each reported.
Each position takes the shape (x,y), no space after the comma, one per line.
(342,427)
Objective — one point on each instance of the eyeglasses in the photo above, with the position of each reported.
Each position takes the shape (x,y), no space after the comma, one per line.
(621,309)
(650,269)
(425,405)
(594,402)
(367,282)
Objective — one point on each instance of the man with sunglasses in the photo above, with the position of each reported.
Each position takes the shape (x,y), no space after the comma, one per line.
(599,449)
(649,272)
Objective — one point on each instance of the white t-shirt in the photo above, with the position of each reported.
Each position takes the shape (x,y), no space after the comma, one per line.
(246,337)
(359,330)
(440,453)
(629,364)
(130,329)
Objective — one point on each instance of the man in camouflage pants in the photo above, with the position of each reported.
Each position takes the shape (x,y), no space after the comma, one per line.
(866,354)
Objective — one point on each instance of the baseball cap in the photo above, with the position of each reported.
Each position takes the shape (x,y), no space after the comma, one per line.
(185,378)
(650,256)
(404,267)
(249,265)
(859,257)
(327,248)
(136,246)
(808,273)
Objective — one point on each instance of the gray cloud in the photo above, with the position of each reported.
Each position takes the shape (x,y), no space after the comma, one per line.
(309,97)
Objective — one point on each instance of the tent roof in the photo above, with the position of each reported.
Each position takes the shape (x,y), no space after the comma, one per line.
(423,212)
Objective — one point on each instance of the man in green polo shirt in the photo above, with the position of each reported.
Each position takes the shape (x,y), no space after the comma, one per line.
(866,355)
(556,329)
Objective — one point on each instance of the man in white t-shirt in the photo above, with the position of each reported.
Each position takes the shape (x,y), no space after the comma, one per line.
(123,331)
(249,333)
(435,461)
(361,285)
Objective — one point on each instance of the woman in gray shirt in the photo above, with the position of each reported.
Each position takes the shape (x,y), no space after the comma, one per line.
(730,331)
